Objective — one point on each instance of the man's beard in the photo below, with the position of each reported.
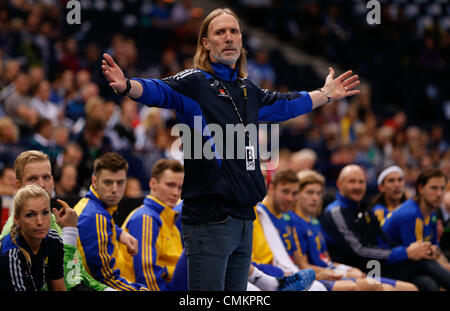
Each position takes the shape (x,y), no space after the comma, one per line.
(228,61)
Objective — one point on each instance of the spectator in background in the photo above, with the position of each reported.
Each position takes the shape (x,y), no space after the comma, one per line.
(304,159)
(94,143)
(133,188)
(260,71)
(122,134)
(66,181)
(72,154)
(36,75)
(397,122)
(11,72)
(160,14)
(444,165)
(75,107)
(63,88)
(18,106)
(82,78)
(69,58)
(92,59)
(61,137)
(41,102)
(9,141)
(95,107)
(181,13)
(7,190)
(43,139)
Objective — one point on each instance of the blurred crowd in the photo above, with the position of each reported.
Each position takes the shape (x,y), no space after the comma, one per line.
(54,98)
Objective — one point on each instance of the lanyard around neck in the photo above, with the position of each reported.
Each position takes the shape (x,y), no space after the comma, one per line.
(31,274)
(244,89)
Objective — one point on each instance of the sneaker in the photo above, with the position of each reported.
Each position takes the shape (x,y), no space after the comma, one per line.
(300,281)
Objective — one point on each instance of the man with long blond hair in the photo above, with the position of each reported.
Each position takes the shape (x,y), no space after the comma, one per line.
(219,191)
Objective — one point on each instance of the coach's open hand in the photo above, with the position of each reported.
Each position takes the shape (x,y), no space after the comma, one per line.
(342,86)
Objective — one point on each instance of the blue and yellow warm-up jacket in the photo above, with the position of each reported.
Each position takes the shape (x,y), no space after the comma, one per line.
(154,225)
(219,186)
(98,242)
(406,225)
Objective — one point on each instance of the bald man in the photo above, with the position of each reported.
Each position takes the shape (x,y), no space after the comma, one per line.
(354,237)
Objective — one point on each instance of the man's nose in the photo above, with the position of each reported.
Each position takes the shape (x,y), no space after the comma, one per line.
(41,183)
(114,187)
(228,37)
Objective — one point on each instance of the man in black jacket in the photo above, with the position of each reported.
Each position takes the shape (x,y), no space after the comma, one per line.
(219,191)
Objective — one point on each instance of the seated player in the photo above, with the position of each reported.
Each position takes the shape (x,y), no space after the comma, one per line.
(391,184)
(313,243)
(415,219)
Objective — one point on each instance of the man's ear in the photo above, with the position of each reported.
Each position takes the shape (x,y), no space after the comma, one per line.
(205,43)
(338,184)
(94,181)
(18,185)
(152,183)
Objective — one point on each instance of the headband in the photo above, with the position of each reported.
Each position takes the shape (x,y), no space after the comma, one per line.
(387,171)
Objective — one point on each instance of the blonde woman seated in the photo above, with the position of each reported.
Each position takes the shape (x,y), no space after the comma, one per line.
(31,255)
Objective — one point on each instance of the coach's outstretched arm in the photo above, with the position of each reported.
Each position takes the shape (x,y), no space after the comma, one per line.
(117,79)
(335,89)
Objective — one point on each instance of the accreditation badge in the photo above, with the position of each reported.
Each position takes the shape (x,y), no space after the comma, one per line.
(250,158)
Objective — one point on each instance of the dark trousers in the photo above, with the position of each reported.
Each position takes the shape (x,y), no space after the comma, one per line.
(218,254)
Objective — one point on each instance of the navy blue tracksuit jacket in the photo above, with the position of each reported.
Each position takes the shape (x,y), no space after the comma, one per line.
(215,187)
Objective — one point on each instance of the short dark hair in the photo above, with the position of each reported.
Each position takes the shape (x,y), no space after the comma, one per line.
(94,125)
(166,164)
(42,122)
(111,161)
(285,177)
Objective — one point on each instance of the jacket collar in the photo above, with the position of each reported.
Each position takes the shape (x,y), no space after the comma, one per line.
(91,194)
(301,215)
(168,215)
(346,202)
(224,72)
(266,203)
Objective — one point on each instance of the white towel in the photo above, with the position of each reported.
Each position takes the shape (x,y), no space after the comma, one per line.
(281,257)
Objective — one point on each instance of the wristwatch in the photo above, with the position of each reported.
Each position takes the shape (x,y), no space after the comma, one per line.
(127,90)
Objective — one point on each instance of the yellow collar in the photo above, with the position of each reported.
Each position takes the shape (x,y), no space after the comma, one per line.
(168,215)
(269,206)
